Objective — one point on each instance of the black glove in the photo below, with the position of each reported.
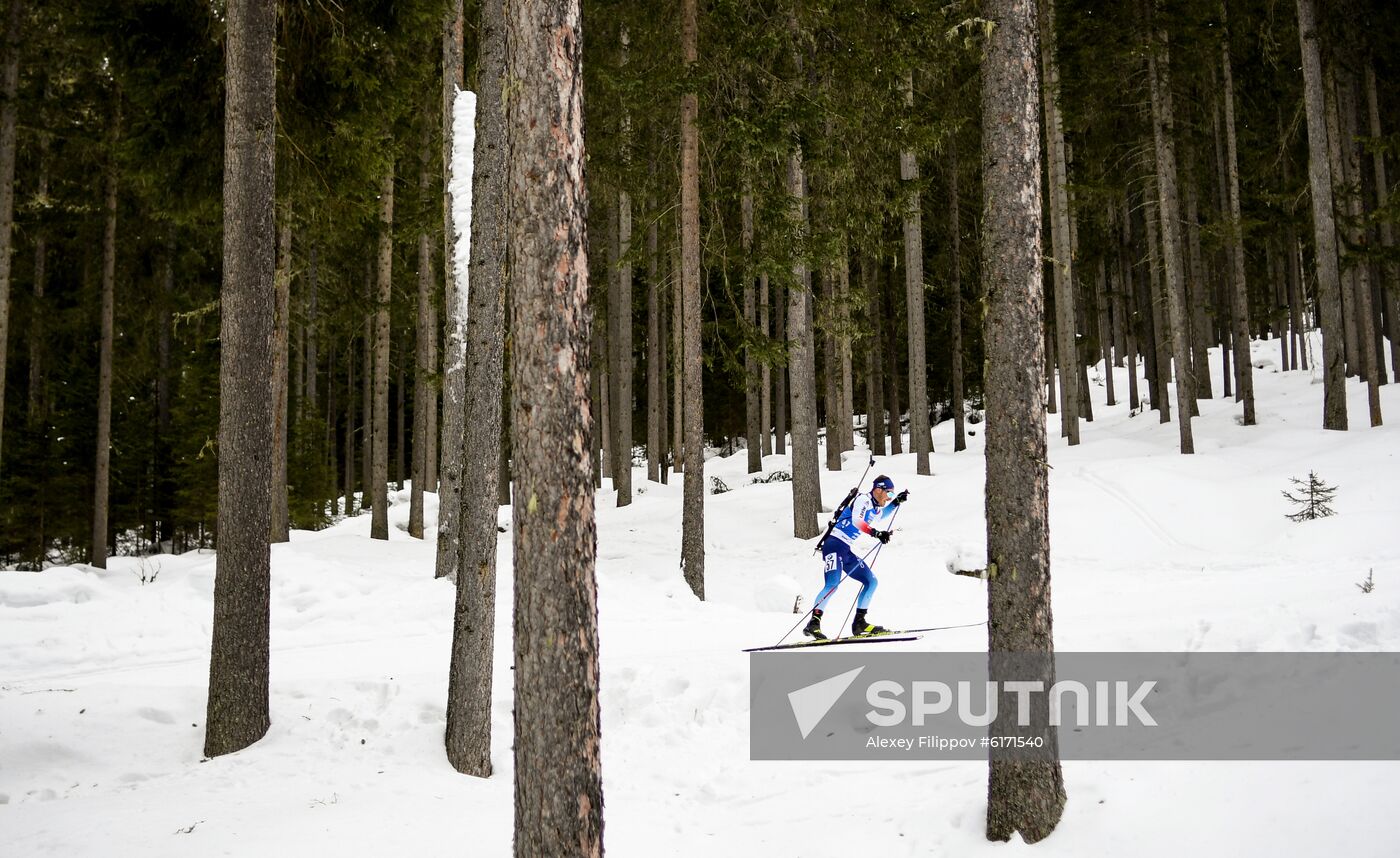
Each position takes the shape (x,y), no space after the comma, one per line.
(901,497)
(882,535)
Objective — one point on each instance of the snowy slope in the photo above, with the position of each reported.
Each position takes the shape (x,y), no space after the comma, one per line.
(102,677)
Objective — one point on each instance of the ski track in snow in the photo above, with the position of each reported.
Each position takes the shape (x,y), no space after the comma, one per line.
(102,678)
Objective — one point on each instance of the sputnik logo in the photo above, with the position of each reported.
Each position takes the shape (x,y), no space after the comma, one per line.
(810,704)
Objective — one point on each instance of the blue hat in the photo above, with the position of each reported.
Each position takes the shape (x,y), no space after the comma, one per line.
(883,482)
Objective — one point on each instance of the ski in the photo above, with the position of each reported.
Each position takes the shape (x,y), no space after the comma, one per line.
(853,640)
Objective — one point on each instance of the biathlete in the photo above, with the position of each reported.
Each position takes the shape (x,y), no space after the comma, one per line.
(863,516)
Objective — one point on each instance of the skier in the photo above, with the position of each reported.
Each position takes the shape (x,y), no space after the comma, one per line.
(861,516)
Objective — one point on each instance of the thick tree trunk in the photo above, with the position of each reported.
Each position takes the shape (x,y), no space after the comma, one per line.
(1027,796)
(9,88)
(103,469)
(454,347)
(1329,291)
(693,507)
(955,312)
(1239,296)
(806,477)
(282,303)
(1066,316)
(920,441)
(237,712)
(558,779)
(379,477)
(1159,78)
(468,737)
(663,348)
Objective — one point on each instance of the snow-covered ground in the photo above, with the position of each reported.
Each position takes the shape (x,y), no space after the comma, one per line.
(102,677)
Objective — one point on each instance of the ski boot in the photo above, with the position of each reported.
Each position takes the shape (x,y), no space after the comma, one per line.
(860,628)
(814,626)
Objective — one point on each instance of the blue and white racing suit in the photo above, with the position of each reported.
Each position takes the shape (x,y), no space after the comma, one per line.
(861,516)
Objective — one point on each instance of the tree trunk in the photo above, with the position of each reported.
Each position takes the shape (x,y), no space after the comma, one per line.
(806,477)
(35,409)
(1356,236)
(454,348)
(920,441)
(1025,797)
(282,302)
(313,311)
(1105,336)
(9,88)
(656,386)
(955,312)
(678,352)
(891,331)
(367,375)
(843,347)
(620,328)
(1346,275)
(424,390)
(1391,284)
(1244,368)
(663,351)
(1198,299)
(400,410)
(379,478)
(1159,78)
(103,469)
(752,394)
(1124,312)
(1066,317)
(350,427)
(468,736)
(237,712)
(693,508)
(1160,338)
(874,359)
(831,382)
(1329,292)
(558,781)
(780,385)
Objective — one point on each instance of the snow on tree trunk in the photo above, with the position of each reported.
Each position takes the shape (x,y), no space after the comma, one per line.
(454,361)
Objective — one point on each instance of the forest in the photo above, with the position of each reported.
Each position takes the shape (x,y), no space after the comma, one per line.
(803,226)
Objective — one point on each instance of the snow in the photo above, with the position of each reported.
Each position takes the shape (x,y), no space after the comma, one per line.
(460,187)
(103,678)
